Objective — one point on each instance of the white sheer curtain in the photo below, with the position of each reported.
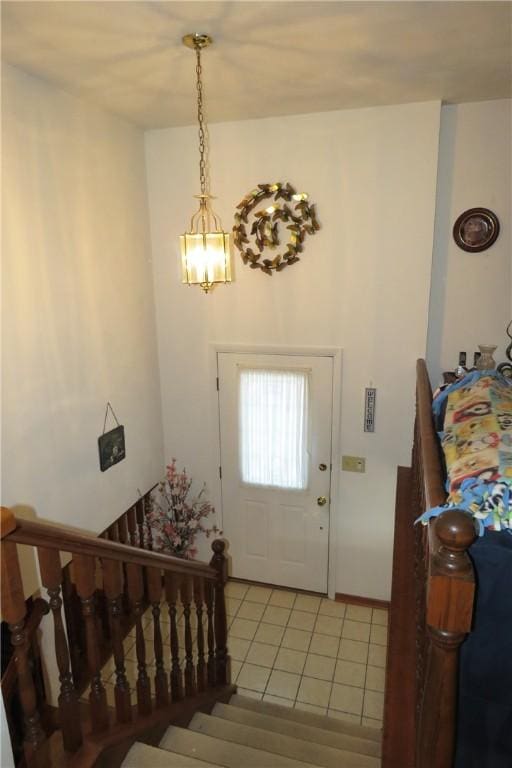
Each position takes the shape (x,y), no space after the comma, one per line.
(273,427)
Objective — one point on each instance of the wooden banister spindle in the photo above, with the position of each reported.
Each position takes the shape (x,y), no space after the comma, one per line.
(210,667)
(14,612)
(139,515)
(186,599)
(113,584)
(126,536)
(449,612)
(131,522)
(222,660)
(113,532)
(171,595)
(69,714)
(154,578)
(122,530)
(202,679)
(149,531)
(84,568)
(136,596)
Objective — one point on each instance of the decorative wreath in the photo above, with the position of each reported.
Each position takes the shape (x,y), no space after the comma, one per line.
(300,220)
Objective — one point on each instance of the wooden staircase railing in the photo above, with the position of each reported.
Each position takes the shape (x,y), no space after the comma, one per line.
(135,572)
(431,607)
(9,684)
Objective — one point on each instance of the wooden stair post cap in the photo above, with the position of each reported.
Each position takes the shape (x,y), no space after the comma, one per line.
(218,546)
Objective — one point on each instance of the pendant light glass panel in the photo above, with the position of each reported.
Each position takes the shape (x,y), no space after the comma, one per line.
(205,258)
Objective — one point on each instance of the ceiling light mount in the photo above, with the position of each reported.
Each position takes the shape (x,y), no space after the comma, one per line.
(197,40)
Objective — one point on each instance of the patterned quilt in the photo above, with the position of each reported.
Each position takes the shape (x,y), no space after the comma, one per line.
(474,422)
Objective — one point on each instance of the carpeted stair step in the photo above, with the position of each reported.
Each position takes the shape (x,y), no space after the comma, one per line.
(224,753)
(307,718)
(144,756)
(279,744)
(335,739)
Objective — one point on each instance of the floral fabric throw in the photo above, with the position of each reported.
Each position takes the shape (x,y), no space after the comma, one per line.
(474,419)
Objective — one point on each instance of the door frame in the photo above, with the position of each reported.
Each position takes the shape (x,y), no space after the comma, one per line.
(336,354)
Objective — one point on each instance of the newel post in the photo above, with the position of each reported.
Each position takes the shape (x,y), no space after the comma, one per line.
(450,594)
(14,613)
(222,660)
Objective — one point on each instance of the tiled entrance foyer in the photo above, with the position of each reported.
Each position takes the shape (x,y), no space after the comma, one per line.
(292,649)
(308,652)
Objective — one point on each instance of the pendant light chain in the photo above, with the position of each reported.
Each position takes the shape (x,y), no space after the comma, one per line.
(200,120)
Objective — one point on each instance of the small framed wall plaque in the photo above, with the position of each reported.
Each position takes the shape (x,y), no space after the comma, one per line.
(111,444)
(111,447)
(370,397)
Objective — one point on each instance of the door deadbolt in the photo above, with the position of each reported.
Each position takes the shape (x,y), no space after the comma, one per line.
(321,501)
(322,467)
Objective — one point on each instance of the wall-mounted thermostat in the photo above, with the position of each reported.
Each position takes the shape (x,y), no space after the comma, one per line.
(370,396)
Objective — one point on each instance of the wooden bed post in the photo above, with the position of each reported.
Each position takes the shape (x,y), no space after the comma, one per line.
(433,587)
(450,594)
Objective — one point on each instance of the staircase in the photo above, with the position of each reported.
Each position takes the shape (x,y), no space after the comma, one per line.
(175,682)
(258,734)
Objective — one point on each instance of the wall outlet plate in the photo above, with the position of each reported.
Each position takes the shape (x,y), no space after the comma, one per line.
(353,463)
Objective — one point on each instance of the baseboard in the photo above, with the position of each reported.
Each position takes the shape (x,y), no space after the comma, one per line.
(371,602)
(340,597)
(269,585)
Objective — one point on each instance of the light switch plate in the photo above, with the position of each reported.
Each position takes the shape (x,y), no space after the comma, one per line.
(353,463)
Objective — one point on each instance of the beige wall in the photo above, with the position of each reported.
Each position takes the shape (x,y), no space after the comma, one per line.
(78,324)
(362,285)
(471,301)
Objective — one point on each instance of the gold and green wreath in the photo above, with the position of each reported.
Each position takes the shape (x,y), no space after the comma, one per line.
(288,206)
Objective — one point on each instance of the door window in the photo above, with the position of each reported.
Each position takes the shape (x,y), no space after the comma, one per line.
(273,427)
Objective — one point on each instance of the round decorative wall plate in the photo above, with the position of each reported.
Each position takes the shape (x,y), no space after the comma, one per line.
(288,209)
(476,229)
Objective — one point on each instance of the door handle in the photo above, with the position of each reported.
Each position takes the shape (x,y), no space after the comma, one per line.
(321,501)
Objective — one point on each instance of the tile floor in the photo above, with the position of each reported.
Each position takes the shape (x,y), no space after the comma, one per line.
(308,652)
(293,649)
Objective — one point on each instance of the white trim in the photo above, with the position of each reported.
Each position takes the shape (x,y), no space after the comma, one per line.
(260,349)
(336,353)
(215,438)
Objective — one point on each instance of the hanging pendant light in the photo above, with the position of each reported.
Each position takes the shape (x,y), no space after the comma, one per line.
(205,248)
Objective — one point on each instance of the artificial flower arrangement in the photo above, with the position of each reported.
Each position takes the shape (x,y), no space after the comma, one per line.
(175,518)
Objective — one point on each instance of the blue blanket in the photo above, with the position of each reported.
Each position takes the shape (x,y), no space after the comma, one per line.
(484,728)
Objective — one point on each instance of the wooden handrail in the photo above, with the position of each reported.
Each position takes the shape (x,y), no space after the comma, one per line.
(447,597)
(432,605)
(429,457)
(8,522)
(66,539)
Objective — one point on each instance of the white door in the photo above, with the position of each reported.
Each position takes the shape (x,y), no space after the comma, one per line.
(275,434)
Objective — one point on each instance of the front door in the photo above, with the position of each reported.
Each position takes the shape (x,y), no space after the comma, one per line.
(275,434)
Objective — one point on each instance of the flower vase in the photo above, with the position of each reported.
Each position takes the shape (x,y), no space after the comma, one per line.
(486,361)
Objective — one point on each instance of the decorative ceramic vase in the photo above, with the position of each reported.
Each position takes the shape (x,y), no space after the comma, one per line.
(486,361)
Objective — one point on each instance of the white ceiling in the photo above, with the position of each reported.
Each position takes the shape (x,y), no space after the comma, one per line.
(268,58)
